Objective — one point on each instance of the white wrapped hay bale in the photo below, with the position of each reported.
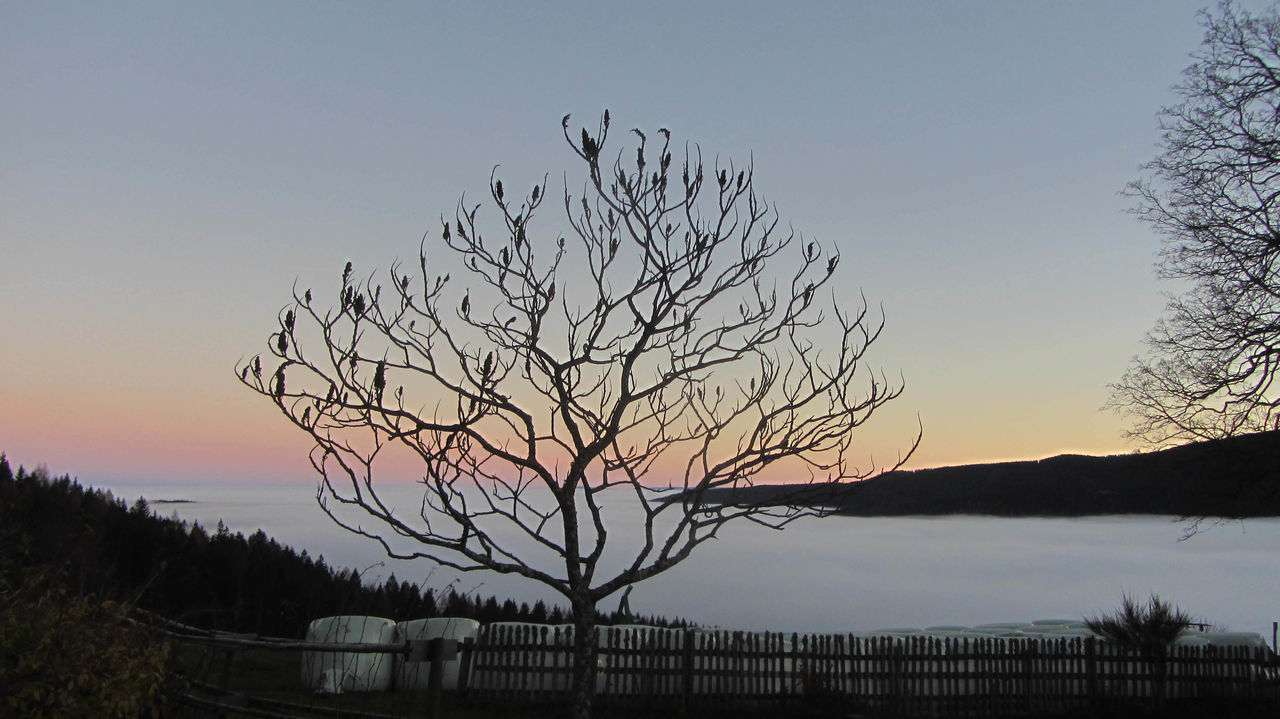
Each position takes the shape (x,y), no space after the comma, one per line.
(1234,639)
(1071,633)
(525,656)
(334,672)
(631,659)
(1041,630)
(1067,623)
(1191,640)
(717,653)
(412,675)
(1001,629)
(896,632)
(952,634)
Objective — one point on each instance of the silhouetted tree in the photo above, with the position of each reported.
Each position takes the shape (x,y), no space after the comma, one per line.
(539,612)
(682,337)
(1213,194)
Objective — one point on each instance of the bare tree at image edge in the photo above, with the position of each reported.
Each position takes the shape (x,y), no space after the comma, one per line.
(678,336)
(1213,194)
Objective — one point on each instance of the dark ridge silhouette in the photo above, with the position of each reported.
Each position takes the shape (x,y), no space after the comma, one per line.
(94,544)
(1232,478)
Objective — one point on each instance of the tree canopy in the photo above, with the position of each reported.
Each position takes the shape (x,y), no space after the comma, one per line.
(668,331)
(1213,194)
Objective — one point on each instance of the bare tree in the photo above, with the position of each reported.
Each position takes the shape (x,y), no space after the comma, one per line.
(1213,193)
(678,339)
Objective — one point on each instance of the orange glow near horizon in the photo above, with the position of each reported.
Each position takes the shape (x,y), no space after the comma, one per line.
(259,445)
(235,435)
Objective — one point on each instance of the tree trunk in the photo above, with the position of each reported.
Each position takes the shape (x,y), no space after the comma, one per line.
(583,686)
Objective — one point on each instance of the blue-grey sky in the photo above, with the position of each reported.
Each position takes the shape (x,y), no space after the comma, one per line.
(168,170)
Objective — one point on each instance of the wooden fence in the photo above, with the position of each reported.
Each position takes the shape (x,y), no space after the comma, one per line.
(701,670)
(909,675)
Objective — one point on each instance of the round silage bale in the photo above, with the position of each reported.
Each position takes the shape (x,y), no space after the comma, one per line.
(414,675)
(335,672)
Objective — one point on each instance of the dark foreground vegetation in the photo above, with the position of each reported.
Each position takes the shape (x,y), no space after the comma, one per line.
(76,564)
(1234,477)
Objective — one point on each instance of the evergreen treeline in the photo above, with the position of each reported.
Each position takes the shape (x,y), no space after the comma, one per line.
(218,580)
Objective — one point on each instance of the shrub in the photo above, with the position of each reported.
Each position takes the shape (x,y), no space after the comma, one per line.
(63,655)
(1153,626)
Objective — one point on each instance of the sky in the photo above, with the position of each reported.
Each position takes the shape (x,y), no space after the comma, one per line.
(169,171)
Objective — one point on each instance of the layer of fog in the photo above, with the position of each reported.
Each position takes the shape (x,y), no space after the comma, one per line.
(841,573)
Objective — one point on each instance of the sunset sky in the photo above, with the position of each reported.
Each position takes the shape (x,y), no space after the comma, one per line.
(168,171)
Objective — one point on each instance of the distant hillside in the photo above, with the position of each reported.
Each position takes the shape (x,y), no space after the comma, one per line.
(1237,477)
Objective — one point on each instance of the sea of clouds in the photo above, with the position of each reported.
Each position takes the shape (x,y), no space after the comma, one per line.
(840,574)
